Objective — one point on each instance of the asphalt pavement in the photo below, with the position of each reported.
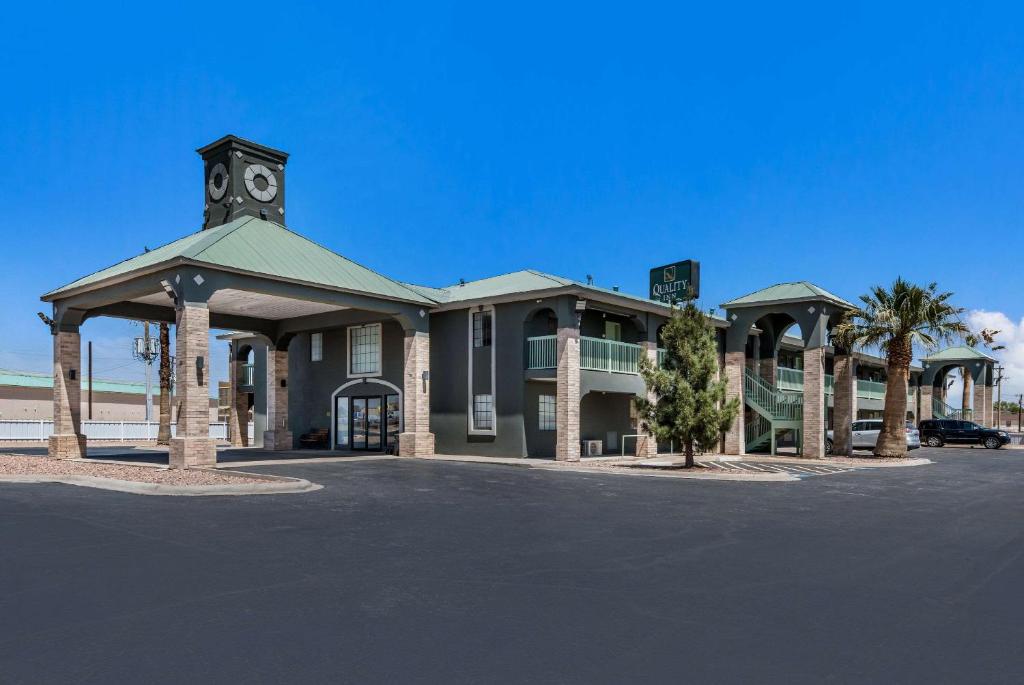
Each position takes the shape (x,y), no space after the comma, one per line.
(411,571)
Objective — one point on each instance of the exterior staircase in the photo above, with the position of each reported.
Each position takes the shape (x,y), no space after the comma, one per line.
(774,410)
(941,410)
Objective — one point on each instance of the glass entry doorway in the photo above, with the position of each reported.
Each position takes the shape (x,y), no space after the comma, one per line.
(367,423)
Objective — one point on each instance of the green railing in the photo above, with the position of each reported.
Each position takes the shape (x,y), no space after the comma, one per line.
(246,379)
(793,380)
(756,427)
(782,405)
(941,410)
(661,356)
(597,354)
(542,352)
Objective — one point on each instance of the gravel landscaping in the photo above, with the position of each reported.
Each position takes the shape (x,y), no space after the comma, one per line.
(20,465)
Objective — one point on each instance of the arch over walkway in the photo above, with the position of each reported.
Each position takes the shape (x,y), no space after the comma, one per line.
(979,367)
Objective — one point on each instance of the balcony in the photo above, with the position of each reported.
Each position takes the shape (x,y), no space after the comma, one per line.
(596,354)
(246,380)
(793,380)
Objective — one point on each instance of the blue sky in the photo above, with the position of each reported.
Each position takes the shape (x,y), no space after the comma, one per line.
(844,145)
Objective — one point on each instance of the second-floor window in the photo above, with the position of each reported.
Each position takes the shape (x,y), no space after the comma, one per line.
(316,347)
(481,329)
(364,350)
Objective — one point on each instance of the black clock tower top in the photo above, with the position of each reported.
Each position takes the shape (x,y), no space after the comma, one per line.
(242,178)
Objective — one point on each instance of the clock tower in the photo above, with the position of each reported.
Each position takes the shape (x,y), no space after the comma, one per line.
(241,178)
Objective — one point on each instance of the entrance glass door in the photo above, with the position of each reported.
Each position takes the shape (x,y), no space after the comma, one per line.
(366,423)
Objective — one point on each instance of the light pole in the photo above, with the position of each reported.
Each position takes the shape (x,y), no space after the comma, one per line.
(145,350)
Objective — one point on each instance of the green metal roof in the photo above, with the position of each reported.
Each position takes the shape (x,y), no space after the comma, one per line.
(263,247)
(786,292)
(957,353)
(28,379)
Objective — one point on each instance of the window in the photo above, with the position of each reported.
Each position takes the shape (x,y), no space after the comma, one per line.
(481,329)
(316,347)
(546,412)
(483,412)
(364,350)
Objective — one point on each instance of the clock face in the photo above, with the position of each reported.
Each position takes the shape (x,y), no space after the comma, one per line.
(218,183)
(260,182)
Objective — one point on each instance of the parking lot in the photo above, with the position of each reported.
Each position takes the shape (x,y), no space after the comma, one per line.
(415,571)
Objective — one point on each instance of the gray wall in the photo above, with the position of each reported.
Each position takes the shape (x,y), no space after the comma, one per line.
(311,384)
(601,413)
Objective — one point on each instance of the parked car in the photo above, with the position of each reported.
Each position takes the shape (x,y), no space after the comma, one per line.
(865,435)
(938,432)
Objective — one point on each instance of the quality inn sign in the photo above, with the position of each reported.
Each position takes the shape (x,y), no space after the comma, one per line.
(676,282)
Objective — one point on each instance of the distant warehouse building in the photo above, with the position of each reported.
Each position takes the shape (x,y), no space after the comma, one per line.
(25,395)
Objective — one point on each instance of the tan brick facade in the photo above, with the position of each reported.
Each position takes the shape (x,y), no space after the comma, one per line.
(925,402)
(769,369)
(277,436)
(67,441)
(192,445)
(735,437)
(567,395)
(813,439)
(844,407)
(646,445)
(416,440)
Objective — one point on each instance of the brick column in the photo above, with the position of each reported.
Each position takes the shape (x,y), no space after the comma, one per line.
(67,441)
(989,409)
(238,419)
(567,403)
(844,407)
(277,436)
(925,400)
(813,438)
(647,444)
(416,440)
(735,437)
(769,369)
(192,444)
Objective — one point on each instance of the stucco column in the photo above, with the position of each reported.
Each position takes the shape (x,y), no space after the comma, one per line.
(735,437)
(647,444)
(277,436)
(238,419)
(416,440)
(567,401)
(844,407)
(925,401)
(813,438)
(192,444)
(67,440)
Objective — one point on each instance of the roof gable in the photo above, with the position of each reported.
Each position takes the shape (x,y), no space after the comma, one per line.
(957,353)
(786,292)
(263,247)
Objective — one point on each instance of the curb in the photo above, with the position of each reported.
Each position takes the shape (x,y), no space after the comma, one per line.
(287,486)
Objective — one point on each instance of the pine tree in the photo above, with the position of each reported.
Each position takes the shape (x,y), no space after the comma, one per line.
(689,408)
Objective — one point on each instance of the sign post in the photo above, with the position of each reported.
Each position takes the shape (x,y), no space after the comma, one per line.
(676,282)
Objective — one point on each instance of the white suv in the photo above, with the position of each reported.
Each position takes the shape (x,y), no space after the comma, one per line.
(865,435)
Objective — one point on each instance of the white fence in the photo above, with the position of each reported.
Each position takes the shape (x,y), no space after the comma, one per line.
(122,431)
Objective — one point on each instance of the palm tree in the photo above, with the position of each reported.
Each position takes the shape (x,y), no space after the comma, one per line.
(163,436)
(894,320)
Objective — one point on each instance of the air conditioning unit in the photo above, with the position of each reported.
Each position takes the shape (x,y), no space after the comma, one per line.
(593,448)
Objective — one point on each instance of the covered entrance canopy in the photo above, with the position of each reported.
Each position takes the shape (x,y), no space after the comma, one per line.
(249,274)
(978,370)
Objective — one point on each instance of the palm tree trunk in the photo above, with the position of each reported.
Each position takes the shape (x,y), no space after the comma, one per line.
(892,439)
(163,436)
(968,391)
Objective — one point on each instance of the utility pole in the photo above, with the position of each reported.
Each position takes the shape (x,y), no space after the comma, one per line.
(90,380)
(999,395)
(145,351)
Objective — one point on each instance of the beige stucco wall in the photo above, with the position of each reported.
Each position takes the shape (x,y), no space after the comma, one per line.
(37,403)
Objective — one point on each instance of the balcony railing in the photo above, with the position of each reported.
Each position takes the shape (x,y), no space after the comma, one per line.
(596,354)
(246,379)
(793,379)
